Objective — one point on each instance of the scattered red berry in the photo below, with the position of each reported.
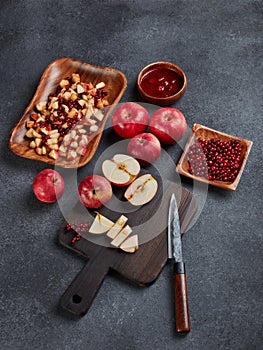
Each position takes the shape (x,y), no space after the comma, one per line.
(68,227)
(77,230)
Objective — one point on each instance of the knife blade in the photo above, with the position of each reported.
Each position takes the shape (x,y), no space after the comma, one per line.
(175,252)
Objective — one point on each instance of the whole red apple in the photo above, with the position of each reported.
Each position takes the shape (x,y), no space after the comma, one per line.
(48,186)
(130,119)
(168,124)
(95,191)
(145,147)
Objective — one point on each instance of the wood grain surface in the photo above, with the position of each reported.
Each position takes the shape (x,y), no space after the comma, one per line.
(181,303)
(59,69)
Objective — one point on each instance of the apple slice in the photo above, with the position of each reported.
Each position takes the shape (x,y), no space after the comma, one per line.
(130,245)
(117,227)
(100,224)
(121,170)
(142,190)
(120,238)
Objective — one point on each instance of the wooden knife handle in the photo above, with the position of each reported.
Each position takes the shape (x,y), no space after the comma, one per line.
(181,298)
(79,296)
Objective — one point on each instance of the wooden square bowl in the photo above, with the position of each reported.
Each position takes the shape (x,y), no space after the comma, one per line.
(208,134)
(56,71)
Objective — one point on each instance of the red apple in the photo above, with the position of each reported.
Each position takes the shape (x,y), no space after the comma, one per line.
(48,186)
(168,124)
(145,147)
(130,119)
(95,191)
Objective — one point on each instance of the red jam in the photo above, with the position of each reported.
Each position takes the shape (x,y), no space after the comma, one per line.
(161,82)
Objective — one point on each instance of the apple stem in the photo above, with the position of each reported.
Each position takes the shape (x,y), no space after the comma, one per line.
(55,180)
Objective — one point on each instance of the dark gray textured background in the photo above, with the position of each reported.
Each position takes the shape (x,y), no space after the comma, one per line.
(219,45)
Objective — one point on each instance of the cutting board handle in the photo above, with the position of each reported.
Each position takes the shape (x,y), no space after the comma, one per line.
(79,296)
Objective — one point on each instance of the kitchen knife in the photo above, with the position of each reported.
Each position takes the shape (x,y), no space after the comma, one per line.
(175,252)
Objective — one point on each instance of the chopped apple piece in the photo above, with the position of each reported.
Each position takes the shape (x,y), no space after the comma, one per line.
(32,144)
(39,151)
(52,141)
(121,170)
(142,190)
(44,131)
(82,102)
(30,124)
(38,141)
(64,83)
(72,113)
(98,115)
(40,119)
(54,131)
(54,146)
(41,106)
(73,97)
(75,77)
(100,104)
(100,224)
(130,245)
(100,85)
(117,227)
(125,232)
(71,155)
(66,109)
(54,135)
(53,154)
(29,133)
(89,121)
(80,89)
(67,95)
(54,105)
(36,134)
(94,128)
(44,150)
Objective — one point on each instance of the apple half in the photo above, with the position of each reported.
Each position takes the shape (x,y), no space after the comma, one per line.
(121,170)
(100,224)
(130,245)
(142,190)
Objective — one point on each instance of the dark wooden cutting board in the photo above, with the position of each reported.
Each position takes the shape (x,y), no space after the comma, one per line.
(142,267)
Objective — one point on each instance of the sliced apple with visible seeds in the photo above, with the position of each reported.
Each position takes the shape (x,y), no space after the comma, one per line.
(130,245)
(117,227)
(121,170)
(121,237)
(142,190)
(100,224)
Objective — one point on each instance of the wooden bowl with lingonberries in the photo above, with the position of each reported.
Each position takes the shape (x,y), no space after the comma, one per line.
(213,157)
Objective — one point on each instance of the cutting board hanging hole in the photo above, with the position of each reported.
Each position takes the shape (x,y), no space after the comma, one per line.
(76,299)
